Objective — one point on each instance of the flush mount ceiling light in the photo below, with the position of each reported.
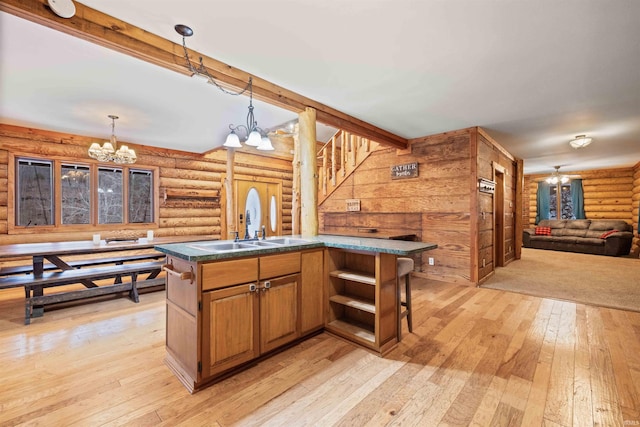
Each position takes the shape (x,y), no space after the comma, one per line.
(557,178)
(252,134)
(580,141)
(62,8)
(108,153)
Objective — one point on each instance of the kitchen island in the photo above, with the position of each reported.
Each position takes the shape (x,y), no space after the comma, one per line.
(231,303)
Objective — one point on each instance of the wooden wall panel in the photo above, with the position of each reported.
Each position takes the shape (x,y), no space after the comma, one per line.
(492,157)
(607,193)
(178,171)
(439,195)
(445,195)
(635,209)
(4,195)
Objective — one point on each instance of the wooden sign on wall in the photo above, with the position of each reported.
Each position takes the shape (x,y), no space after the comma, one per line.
(353,205)
(408,170)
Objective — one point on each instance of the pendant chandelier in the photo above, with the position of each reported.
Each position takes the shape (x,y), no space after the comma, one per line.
(108,153)
(556,178)
(251,134)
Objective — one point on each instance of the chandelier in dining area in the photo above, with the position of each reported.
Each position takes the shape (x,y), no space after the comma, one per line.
(107,152)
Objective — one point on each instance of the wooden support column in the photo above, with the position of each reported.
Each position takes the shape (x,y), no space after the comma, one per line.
(295,202)
(518,220)
(231,205)
(308,172)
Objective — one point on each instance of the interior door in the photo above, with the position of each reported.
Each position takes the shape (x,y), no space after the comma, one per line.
(259,203)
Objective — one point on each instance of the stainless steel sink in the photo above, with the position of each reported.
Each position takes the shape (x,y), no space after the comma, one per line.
(287,241)
(228,246)
(222,246)
(265,243)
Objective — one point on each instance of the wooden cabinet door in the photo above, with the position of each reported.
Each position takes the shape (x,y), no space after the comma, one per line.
(312,291)
(279,320)
(230,323)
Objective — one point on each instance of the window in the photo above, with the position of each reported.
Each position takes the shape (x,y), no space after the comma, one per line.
(560,195)
(76,194)
(110,196)
(34,188)
(567,199)
(57,194)
(140,196)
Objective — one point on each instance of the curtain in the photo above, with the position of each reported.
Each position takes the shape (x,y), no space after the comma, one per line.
(542,201)
(577,198)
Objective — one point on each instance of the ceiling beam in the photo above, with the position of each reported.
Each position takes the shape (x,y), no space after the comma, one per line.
(104,30)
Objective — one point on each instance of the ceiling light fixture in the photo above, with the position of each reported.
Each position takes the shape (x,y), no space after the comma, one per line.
(108,153)
(580,141)
(557,178)
(253,135)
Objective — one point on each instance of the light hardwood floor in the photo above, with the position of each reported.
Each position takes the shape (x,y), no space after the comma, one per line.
(477,357)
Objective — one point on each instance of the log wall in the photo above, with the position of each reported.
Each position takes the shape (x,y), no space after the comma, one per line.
(443,194)
(608,193)
(192,182)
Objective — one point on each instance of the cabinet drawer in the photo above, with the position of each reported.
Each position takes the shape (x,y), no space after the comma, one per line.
(279,265)
(227,273)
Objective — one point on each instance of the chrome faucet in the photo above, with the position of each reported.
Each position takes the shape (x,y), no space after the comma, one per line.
(264,232)
(247,222)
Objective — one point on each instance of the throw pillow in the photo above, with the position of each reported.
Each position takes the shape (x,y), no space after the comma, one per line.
(608,233)
(543,231)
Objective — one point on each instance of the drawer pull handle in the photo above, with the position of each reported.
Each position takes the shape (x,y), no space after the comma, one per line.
(252,287)
(185,275)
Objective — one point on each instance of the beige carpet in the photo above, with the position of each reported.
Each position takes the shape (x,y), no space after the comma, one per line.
(590,279)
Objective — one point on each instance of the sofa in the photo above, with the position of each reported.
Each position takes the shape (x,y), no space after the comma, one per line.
(598,236)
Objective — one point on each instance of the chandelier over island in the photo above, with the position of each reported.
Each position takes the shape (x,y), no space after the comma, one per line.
(252,135)
(108,153)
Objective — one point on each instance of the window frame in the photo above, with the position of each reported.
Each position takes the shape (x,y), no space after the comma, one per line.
(58,226)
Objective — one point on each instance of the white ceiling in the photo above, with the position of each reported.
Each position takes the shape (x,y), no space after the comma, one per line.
(532,73)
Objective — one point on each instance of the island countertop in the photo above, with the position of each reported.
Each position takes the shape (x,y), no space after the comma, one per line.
(192,252)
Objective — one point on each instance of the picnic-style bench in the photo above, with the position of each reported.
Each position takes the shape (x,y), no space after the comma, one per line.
(28,268)
(34,286)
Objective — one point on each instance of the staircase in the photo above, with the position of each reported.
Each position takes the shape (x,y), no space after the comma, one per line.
(338,158)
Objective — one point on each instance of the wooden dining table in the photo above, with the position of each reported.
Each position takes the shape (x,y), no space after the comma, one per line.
(55,251)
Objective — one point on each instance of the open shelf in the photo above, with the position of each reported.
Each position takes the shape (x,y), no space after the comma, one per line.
(362,298)
(359,330)
(354,276)
(355,302)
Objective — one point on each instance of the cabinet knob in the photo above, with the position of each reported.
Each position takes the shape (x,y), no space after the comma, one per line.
(267,285)
(252,287)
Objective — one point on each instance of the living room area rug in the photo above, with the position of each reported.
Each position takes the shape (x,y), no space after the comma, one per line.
(604,281)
